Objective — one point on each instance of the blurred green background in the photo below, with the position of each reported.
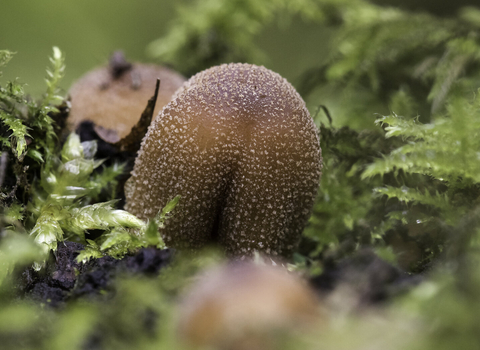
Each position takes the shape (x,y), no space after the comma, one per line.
(88,31)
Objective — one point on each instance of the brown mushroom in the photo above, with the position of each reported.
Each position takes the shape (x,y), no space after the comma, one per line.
(239,146)
(114,97)
(246,306)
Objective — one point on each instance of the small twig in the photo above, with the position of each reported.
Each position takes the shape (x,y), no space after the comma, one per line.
(325,110)
(131,142)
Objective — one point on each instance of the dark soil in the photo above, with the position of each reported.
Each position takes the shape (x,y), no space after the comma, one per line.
(372,279)
(64,279)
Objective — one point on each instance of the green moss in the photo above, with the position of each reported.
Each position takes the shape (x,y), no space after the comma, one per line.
(53,197)
(408,186)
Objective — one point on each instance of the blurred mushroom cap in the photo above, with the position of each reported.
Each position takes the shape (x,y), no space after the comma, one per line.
(115,98)
(241,305)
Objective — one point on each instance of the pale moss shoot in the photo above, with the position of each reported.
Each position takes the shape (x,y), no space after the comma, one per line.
(61,210)
(66,196)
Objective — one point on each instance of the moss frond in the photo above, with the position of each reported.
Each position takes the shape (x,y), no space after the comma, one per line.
(59,186)
(207,33)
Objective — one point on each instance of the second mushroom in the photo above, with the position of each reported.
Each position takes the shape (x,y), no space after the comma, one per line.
(239,146)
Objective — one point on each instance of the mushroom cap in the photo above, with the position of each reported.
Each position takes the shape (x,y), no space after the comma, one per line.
(241,301)
(117,103)
(239,146)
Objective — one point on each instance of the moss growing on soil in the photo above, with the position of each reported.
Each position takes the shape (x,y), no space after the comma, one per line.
(395,224)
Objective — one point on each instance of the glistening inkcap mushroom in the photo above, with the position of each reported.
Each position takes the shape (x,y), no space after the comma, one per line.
(239,146)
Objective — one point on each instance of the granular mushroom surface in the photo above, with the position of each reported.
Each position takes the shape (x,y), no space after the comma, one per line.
(239,146)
